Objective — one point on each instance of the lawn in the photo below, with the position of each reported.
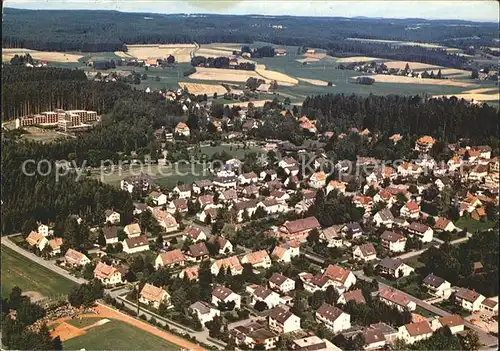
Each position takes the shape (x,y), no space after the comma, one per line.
(234,151)
(82,323)
(472,225)
(118,335)
(30,276)
(452,308)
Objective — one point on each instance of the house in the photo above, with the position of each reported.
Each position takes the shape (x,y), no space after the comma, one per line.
(355,295)
(317,180)
(143,182)
(374,339)
(413,332)
(336,185)
(191,273)
(394,268)
(393,242)
(165,220)
(390,334)
(55,245)
(365,252)
(112,217)
(184,191)
(478,213)
(287,162)
(313,342)
(136,244)
(223,244)
(178,205)
(250,190)
(254,335)
(489,305)
(478,173)
(197,252)
(331,237)
(204,311)
(200,186)
(269,174)
(232,263)
(205,200)
(453,321)
(182,129)
(248,178)
(170,259)
(36,239)
(303,206)
(108,275)
(75,258)
(153,296)
(228,195)
(280,196)
(352,230)
(110,233)
(44,230)
(194,233)
(223,295)
(469,300)
(396,298)
(249,207)
(315,283)
(258,259)
(425,143)
(158,198)
(263,88)
(410,210)
(444,225)
(285,252)
(423,232)
(281,283)
(298,229)
(209,213)
(333,318)
(132,230)
(437,286)
(139,208)
(343,278)
(283,321)
(225,182)
(263,294)
(271,206)
(384,217)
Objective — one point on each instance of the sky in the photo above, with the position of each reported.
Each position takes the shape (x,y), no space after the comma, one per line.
(474,10)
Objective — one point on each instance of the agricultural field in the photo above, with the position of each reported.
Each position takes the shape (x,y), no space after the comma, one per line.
(34,280)
(318,82)
(412,43)
(223,74)
(200,89)
(280,78)
(117,335)
(385,78)
(50,56)
(182,52)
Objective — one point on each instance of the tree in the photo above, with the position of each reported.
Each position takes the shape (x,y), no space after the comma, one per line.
(15,297)
(475,74)
(101,240)
(407,68)
(439,75)
(471,341)
(178,298)
(317,299)
(260,306)
(331,295)
(313,236)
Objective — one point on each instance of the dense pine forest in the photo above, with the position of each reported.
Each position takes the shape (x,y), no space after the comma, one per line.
(93,31)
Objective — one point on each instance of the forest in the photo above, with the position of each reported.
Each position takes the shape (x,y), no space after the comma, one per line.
(94,31)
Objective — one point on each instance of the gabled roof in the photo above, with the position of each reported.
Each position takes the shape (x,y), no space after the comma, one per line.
(394,296)
(391,263)
(329,312)
(221,292)
(138,241)
(418,227)
(257,257)
(391,236)
(337,273)
(278,279)
(300,225)
(420,328)
(452,320)
(433,280)
(280,314)
(354,295)
(172,257)
(468,295)
(110,232)
(104,271)
(152,293)
(367,249)
(198,250)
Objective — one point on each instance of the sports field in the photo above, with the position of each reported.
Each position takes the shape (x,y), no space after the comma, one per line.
(116,335)
(32,278)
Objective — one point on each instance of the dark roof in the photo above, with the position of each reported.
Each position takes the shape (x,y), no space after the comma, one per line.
(262,292)
(391,236)
(385,214)
(141,240)
(300,225)
(199,249)
(203,183)
(390,263)
(221,292)
(110,232)
(373,336)
(277,279)
(280,314)
(466,294)
(354,227)
(329,312)
(433,280)
(418,227)
(225,180)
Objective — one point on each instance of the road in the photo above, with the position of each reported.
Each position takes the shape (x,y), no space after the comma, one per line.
(47,264)
(411,254)
(485,338)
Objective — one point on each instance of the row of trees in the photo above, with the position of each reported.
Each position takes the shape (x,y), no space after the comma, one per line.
(220,62)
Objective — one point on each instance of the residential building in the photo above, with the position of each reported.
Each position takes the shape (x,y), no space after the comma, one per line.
(393,242)
(410,210)
(249,207)
(425,143)
(110,233)
(197,252)
(469,300)
(178,205)
(365,252)
(233,263)
(205,200)
(223,295)
(158,198)
(108,275)
(285,252)
(315,283)
(394,268)
(43,230)
(248,178)
(258,259)
(75,258)
(165,220)
(333,318)
(390,334)
(263,294)
(170,259)
(331,237)
(343,278)
(313,343)
(112,217)
(38,240)
(182,129)
(204,311)
(352,230)
(384,217)
(454,321)
(132,230)
(317,180)
(421,231)
(228,195)
(136,244)
(354,295)
(336,185)
(413,332)
(437,286)
(184,191)
(225,246)
(55,245)
(153,296)
(489,305)
(191,273)
(254,336)
(396,298)
(444,225)
(202,185)
(298,229)
(225,182)
(281,283)
(283,321)
(374,340)
(143,182)
(196,234)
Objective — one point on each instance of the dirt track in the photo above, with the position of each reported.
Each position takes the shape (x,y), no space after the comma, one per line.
(66,331)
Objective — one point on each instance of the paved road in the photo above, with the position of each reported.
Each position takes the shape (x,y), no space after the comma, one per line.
(439,242)
(47,264)
(485,338)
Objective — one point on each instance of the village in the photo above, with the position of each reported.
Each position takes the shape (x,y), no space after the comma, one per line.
(269,258)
